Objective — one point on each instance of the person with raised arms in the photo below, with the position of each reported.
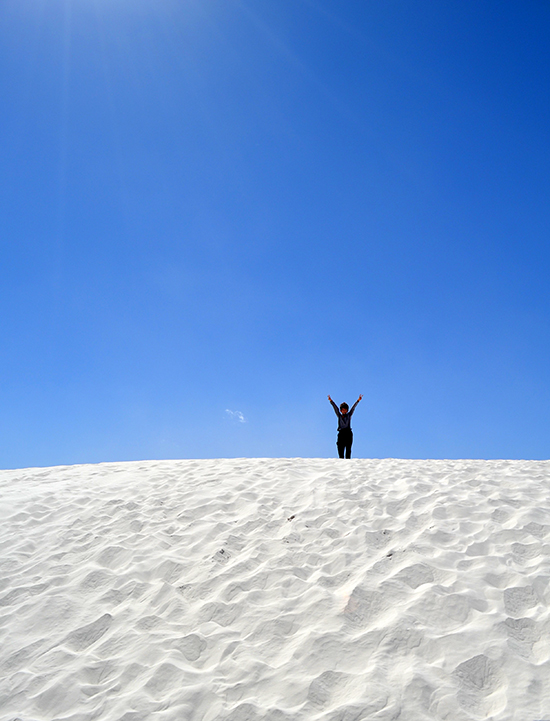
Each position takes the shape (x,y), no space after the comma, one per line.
(345,434)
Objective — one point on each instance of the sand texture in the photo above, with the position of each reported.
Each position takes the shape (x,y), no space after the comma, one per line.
(276,590)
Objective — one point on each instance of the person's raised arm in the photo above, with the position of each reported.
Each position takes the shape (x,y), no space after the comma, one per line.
(354,406)
(333,404)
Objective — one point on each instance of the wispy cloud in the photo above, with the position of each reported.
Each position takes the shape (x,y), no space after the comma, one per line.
(236,416)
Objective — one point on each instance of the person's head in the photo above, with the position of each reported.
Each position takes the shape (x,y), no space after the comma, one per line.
(344,408)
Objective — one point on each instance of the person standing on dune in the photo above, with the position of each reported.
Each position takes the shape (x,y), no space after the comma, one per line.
(345,434)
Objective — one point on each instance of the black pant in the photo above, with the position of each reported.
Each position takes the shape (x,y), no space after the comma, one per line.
(344,441)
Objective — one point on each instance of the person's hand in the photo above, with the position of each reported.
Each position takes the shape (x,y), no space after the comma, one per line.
(329,398)
(360,397)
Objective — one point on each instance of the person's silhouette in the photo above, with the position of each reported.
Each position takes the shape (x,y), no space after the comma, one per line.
(345,434)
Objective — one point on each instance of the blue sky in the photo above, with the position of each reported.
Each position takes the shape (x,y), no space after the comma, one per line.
(214,213)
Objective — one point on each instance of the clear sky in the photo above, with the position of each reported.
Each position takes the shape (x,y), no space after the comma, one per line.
(213,213)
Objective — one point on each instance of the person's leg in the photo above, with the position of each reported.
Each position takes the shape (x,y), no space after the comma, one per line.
(340,443)
(349,441)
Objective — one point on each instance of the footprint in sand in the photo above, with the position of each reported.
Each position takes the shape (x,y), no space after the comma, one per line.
(165,677)
(113,556)
(482,693)
(221,556)
(363,605)
(522,634)
(478,674)
(97,581)
(191,646)
(320,689)
(169,571)
(537,529)
(224,614)
(416,575)
(525,552)
(378,539)
(519,599)
(87,635)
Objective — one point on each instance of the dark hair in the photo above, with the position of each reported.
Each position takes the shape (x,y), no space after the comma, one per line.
(344,405)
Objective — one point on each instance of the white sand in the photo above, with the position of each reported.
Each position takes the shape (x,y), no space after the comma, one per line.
(276,589)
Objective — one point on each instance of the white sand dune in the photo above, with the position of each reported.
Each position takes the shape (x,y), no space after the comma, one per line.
(276,589)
